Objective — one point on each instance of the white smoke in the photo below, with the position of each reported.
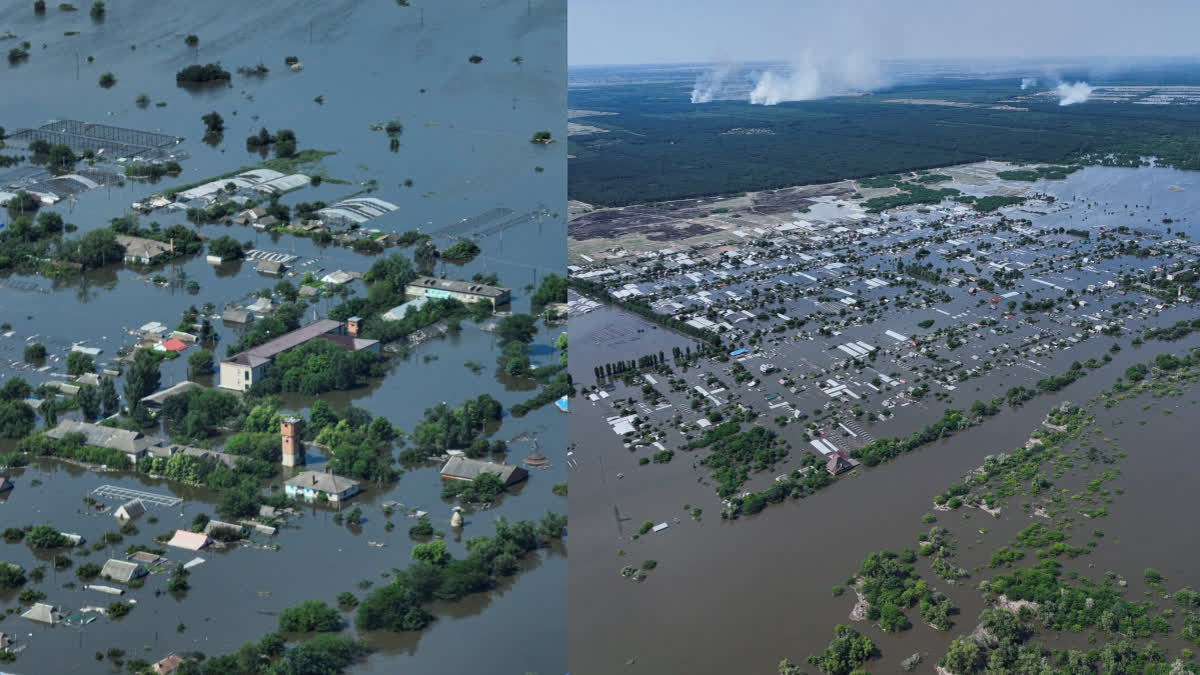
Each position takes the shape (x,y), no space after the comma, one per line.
(1077,92)
(812,77)
(1028,82)
(709,83)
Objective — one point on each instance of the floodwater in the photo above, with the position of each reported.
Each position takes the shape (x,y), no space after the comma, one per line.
(736,597)
(465,146)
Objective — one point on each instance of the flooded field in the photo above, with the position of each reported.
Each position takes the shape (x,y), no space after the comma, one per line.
(736,596)
(463,157)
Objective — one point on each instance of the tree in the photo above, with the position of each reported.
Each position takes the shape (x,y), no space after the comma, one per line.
(89,402)
(60,157)
(142,379)
(191,40)
(23,202)
(200,362)
(240,502)
(35,351)
(517,328)
(963,656)
(178,582)
(308,616)
(107,80)
(552,289)
(285,148)
(213,123)
(845,653)
(461,251)
(49,221)
(46,537)
(98,10)
(542,136)
(286,290)
(225,248)
(49,411)
(79,363)
(109,401)
(433,552)
(97,248)
(393,607)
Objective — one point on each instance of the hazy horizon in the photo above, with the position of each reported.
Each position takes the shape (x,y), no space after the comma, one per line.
(670,32)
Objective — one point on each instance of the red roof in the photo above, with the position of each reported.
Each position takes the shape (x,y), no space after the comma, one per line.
(175,345)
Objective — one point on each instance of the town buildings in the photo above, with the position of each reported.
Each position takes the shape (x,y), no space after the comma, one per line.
(241,371)
(463,291)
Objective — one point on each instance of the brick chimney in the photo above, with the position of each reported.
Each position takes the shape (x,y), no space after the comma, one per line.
(352,325)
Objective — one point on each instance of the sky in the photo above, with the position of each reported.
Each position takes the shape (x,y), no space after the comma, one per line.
(611,32)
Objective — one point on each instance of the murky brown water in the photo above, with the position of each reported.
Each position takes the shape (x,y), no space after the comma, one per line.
(731,598)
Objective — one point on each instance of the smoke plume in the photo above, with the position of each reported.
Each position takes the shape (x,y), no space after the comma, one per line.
(813,77)
(1077,92)
(709,83)
(1028,82)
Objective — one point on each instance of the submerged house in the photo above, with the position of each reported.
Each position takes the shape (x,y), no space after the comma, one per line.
(43,613)
(122,571)
(311,485)
(167,665)
(839,463)
(130,509)
(142,250)
(133,443)
(464,468)
(188,540)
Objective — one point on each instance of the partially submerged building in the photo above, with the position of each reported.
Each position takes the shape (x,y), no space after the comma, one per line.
(237,315)
(356,211)
(397,313)
(168,664)
(155,401)
(188,540)
(463,291)
(142,250)
(133,443)
(241,371)
(464,468)
(311,485)
(43,613)
(839,463)
(129,510)
(122,571)
(270,267)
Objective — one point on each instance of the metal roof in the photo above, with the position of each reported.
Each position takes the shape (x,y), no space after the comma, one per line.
(286,341)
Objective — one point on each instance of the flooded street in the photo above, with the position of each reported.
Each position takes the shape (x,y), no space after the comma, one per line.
(775,569)
(464,151)
(736,596)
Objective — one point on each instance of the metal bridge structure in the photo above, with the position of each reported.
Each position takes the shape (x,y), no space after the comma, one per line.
(113,141)
(120,494)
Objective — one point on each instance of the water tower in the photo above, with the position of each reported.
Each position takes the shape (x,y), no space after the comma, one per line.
(293,447)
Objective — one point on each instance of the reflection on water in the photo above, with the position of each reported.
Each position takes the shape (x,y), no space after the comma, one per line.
(465,150)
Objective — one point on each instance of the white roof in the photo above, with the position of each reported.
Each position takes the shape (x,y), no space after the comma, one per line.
(261,175)
(282,184)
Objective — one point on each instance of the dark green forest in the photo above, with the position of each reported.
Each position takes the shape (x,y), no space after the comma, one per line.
(661,147)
